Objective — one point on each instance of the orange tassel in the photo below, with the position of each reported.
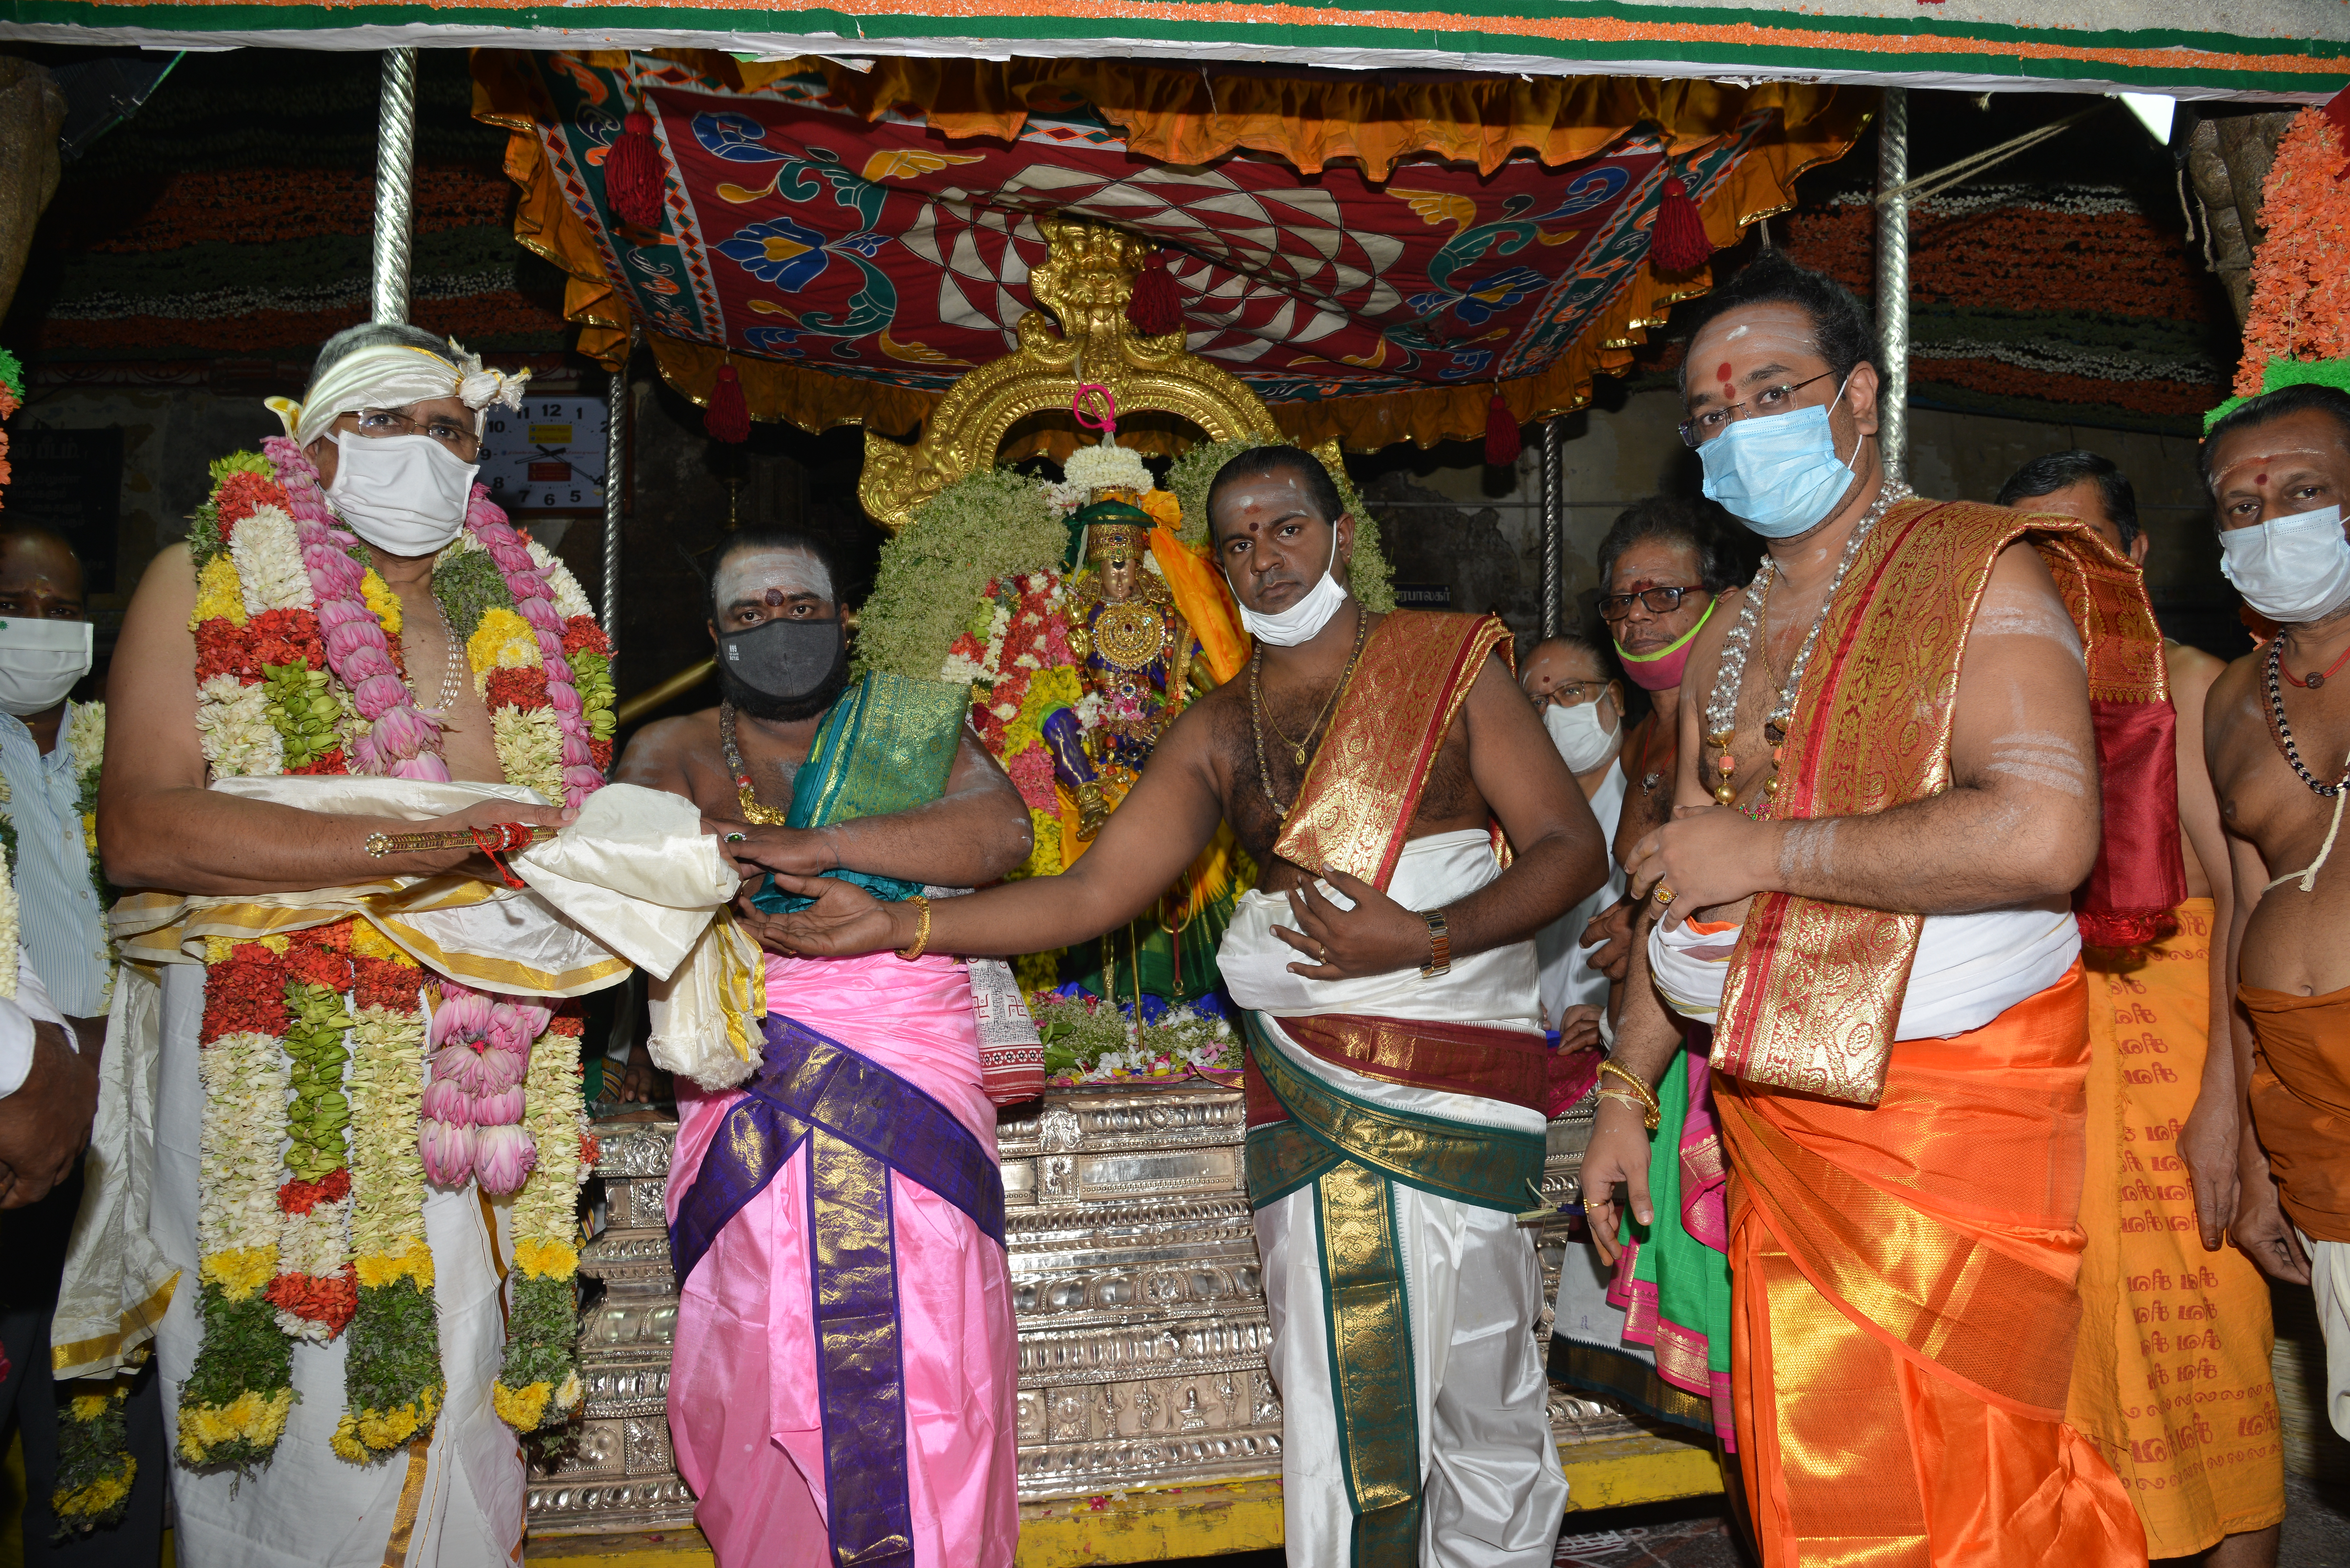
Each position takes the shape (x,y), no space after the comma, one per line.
(1502,443)
(728,418)
(632,172)
(1154,309)
(1678,243)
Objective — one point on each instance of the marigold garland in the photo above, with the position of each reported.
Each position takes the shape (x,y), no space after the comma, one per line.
(2301,287)
(95,1468)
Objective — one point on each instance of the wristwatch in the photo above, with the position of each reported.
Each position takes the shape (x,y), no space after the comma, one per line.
(1440,945)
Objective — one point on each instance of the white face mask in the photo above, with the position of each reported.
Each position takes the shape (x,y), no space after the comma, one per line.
(1302,620)
(39,661)
(2291,570)
(405,494)
(1582,744)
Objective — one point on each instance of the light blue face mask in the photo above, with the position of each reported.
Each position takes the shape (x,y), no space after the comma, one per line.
(1779,474)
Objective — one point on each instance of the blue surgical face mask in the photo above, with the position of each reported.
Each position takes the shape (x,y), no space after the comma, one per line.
(1779,474)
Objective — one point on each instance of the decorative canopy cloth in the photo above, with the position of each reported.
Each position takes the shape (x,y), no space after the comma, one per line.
(2296,49)
(1373,260)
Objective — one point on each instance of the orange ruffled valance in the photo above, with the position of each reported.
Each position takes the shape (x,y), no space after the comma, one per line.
(1183,116)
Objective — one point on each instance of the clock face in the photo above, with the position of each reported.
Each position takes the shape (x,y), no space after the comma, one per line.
(546,456)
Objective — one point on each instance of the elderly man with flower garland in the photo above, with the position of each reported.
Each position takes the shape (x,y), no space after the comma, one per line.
(93,1451)
(844,1383)
(349,604)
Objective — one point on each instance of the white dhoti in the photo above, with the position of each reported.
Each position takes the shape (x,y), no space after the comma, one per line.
(1491,1492)
(455,1501)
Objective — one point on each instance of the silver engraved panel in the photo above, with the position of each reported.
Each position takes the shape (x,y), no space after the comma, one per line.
(1136,1286)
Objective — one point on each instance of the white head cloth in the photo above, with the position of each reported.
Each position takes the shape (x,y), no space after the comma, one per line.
(396,376)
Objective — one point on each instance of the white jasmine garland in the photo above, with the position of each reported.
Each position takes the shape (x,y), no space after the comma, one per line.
(1063,498)
(245,1079)
(529,743)
(266,549)
(85,738)
(233,722)
(7,927)
(1107,466)
(570,599)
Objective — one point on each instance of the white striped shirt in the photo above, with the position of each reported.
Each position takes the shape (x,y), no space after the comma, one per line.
(62,926)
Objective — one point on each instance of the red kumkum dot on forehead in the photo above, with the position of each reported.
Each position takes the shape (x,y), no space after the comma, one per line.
(2263,479)
(1724,372)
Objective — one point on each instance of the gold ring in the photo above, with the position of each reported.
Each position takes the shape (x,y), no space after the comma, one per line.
(1664,895)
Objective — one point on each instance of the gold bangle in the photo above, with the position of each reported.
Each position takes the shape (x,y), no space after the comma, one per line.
(922,930)
(1641,1094)
(1649,1118)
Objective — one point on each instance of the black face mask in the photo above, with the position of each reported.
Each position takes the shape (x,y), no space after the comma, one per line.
(783,670)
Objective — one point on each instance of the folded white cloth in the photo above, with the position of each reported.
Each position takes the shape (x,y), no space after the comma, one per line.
(632,881)
(1495,988)
(1970,967)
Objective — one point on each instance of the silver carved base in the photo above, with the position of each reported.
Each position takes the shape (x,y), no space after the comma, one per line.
(1136,1285)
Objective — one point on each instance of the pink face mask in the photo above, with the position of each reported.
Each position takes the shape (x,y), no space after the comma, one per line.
(1661,670)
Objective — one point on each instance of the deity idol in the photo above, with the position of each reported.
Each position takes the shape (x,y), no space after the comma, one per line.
(1138,663)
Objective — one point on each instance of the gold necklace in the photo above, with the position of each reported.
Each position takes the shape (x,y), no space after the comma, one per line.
(1256,707)
(752,811)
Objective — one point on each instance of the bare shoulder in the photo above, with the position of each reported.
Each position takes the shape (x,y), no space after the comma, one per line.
(1705,649)
(660,755)
(2018,565)
(169,582)
(2193,672)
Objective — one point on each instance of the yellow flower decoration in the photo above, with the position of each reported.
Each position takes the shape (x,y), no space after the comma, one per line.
(241,1270)
(521,1408)
(219,594)
(369,942)
(502,641)
(277,945)
(546,1259)
(218,949)
(251,1417)
(382,602)
(89,1406)
(376,1270)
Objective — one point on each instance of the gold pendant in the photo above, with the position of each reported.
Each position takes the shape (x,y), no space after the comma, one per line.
(1128,636)
(1299,752)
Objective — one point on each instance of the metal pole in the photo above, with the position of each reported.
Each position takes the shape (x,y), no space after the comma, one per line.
(616,479)
(1553,527)
(395,185)
(1893,284)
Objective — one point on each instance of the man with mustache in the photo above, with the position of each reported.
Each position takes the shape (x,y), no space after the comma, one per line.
(1376,768)
(845,1367)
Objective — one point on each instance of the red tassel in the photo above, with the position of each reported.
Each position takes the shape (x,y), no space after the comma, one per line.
(728,418)
(1678,242)
(1502,440)
(2126,928)
(1155,310)
(632,172)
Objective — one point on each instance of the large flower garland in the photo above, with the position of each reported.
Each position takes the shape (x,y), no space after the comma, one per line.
(298,672)
(2301,289)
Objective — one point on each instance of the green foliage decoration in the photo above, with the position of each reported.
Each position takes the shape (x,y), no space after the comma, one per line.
(981,527)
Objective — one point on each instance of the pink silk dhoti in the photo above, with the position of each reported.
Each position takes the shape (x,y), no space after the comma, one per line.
(742,1396)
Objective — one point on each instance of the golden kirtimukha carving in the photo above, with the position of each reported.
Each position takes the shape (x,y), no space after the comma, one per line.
(1085,285)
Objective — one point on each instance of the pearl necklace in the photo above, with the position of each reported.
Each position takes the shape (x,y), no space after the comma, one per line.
(1730,678)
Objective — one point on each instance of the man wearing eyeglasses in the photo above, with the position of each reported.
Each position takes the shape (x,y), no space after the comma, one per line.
(1888,791)
(307,648)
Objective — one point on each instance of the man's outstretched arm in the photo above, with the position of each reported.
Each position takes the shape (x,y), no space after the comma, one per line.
(159,826)
(1165,821)
(976,832)
(2018,825)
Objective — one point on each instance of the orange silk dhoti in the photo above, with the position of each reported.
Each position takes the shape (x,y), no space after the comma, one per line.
(2171,1378)
(1903,1308)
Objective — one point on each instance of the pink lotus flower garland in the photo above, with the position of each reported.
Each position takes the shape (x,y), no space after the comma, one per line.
(472,1118)
(535,604)
(402,740)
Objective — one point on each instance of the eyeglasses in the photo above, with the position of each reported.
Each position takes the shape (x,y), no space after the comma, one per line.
(1658,601)
(463,444)
(1572,693)
(1696,428)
